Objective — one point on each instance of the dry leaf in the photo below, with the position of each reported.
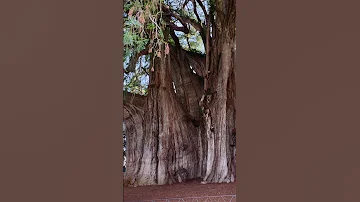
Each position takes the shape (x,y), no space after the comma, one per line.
(167,49)
(131,11)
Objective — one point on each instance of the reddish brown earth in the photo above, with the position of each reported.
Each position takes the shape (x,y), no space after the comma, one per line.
(191,188)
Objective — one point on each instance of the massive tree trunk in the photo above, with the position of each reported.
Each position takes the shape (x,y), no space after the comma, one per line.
(168,148)
(134,132)
(219,97)
(189,88)
(191,133)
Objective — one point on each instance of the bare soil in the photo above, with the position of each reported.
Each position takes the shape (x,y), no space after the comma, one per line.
(191,188)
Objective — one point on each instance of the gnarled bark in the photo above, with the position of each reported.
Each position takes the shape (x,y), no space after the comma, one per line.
(191,133)
(189,89)
(189,86)
(169,139)
(218,100)
(134,132)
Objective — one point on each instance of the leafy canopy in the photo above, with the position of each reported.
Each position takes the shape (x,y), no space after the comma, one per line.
(144,27)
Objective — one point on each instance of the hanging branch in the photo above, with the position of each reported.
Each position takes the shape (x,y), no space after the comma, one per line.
(195,11)
(185,3)
(132,63)
(202,7)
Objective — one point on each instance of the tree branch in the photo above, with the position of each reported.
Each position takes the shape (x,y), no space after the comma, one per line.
(202,7)
(183,19)
(172,26)
(175,38)
(183,29)
(185,3)
(195,11)
(145,71)
(132,63)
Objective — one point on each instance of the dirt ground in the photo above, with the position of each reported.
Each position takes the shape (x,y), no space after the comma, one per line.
(191,188)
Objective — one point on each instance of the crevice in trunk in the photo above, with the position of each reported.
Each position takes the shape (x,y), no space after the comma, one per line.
(170,143)
(184,129)
(218,103)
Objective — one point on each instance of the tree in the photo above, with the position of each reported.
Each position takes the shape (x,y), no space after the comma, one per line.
(183,125)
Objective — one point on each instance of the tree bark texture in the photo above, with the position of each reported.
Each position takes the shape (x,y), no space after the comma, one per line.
(218,100)
(134,132)
(189,134)
(168,147)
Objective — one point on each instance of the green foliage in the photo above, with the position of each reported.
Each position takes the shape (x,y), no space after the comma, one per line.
(143,28)
(140,30)
(141,25)
(136,82)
